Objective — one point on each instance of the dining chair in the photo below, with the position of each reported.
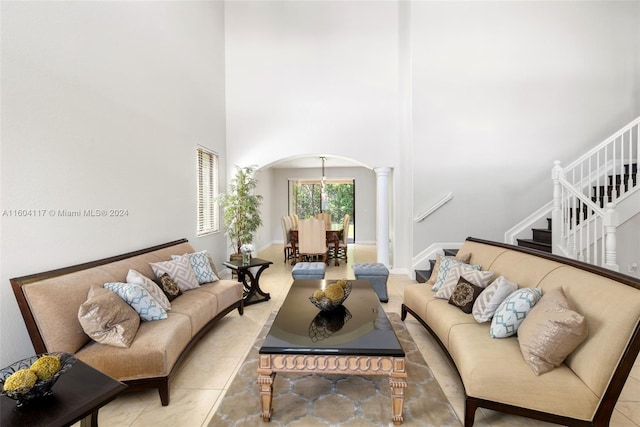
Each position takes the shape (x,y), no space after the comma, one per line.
(286,228)
(312,242)
(343,245)
(326,217)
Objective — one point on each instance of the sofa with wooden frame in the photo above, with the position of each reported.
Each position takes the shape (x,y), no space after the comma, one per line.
(584,388)
(50,302)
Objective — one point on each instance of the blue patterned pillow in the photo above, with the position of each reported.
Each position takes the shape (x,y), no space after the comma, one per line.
(201,266)
(445,266)
(139,299)
(512,311)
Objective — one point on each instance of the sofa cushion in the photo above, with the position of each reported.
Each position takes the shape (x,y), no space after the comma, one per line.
(495,370)
(107,319)
(550,332)
(180,271)
(150,286)
(473,275)
(153,352)
(138,298)
(512,312)
(489,300)
(464,295)
(201,265)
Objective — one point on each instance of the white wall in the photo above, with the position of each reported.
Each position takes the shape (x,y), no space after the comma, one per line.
(103,105)
(312,78)
(500,91)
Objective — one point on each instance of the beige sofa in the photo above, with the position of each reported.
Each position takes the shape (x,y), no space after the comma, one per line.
(584,389)
(49,303)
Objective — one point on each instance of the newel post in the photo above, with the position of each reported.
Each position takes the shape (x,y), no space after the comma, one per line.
(610,224)
(556,213)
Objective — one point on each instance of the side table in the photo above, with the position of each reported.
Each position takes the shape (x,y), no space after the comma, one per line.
(77,396)
(252,292)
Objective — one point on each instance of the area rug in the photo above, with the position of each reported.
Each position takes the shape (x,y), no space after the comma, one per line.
(308,400)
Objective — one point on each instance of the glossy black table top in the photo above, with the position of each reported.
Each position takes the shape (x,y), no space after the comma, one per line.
(359,327)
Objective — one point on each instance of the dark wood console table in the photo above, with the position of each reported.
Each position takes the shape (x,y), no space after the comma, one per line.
(252,292)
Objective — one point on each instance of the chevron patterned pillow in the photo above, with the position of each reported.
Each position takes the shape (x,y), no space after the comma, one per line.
(180,271)
(466,271)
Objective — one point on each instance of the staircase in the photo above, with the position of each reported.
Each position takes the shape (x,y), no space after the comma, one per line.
(423,275)
(592,196)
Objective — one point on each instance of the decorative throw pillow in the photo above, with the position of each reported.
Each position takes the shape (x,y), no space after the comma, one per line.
(465,258)
(139,279)
(512,312)
(464,295)
(550,332)
(180,271)
(489,300)
(169,287)
(446,263)
(478,278)
(201,266)
(107,319)
(138,298)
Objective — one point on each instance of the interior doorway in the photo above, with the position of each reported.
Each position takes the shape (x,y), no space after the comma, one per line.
(306,199)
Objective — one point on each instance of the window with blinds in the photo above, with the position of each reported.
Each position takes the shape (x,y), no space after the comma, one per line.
(208,218)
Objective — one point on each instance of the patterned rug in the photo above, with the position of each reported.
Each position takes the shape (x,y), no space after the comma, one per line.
(307,400)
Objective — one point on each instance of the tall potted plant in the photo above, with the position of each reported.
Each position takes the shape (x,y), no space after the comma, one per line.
(241,207)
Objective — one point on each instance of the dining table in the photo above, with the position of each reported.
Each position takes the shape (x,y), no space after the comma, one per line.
(333,236)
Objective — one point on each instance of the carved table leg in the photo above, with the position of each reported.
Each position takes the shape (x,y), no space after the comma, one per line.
(398,382)
(266,395)
(265,381)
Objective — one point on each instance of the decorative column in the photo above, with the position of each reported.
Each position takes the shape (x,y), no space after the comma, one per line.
(382,214)
(610,222)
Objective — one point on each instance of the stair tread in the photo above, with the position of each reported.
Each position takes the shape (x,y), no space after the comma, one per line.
(422,275)
(534,244)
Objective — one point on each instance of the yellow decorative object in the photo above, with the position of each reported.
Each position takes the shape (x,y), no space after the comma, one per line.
(319,294)
(332,297)
(334,292)
(22,379)
(45,367)
(342,283)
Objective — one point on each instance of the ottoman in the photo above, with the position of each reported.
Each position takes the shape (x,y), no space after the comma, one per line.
(308,270)
(377,274)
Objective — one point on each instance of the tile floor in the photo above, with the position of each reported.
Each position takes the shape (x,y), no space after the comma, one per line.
(202,379)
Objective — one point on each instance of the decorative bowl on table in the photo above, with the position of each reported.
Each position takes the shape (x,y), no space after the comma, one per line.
(332,296)
(42,387)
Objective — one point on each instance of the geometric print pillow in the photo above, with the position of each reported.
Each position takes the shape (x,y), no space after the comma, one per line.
(446,264)
(139,279)
(179,270)
(476,277)
(139,299)
(201,266)
(512,312)
(486,305)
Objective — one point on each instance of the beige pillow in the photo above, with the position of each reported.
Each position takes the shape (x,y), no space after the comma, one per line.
(107,318)
(550,332)
(465,258)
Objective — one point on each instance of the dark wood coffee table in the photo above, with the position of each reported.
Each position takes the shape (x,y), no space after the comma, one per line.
(77,396)
(355,339)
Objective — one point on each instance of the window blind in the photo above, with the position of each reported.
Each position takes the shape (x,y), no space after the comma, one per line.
(208,218)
